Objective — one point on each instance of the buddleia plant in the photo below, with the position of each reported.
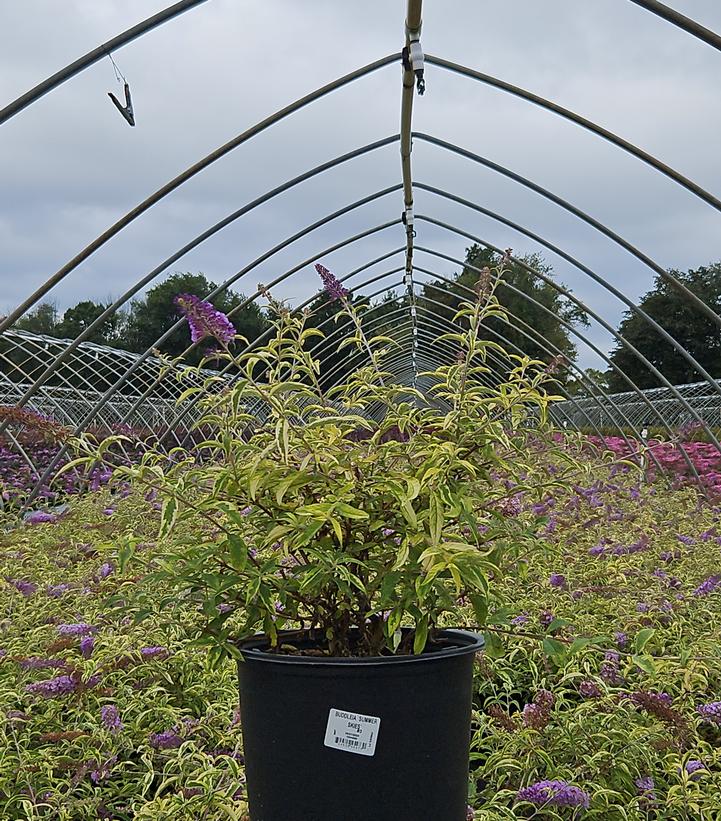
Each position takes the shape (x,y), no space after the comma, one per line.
(371,513)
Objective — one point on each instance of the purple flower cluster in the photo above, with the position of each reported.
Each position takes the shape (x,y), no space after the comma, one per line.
(693,766)
(331,284)
(106,570)
(557,580)
(111,718)
(87,645)
(647,790)
(554,793)
(78,629)
(23,587)
(609,671)
(710,712)
(546,618)
(54,687)
(537,714)
(153,652)
(589,689)
(708,586)
(204,320)
(39,517)
(167,740)
(37,663)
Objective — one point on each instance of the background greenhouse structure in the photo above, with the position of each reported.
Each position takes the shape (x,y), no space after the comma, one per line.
(82,385)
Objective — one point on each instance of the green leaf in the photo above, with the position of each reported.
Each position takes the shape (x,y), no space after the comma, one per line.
(238,552)
(557,624)
(642,638)
(501,616)
(350,512)
(168,516)
(421,635)
(494,647)
(480,608)
(578,645)
(553,647)
(645,663)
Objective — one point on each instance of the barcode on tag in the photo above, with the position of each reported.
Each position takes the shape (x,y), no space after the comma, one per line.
(352,732)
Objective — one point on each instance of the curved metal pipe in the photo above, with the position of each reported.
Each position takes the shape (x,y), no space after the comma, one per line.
(577,119)
(688,295)
(585,270)
(184,177)
(70,70)
(677,19)
(200,238)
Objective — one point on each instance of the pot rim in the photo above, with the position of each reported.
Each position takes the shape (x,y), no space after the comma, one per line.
(254,648)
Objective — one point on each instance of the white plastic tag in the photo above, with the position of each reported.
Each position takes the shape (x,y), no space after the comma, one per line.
(352,732)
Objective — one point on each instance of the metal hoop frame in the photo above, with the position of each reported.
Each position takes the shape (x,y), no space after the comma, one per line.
(50,375)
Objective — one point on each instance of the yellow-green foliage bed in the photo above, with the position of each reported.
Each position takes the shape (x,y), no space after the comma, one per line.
(592,681)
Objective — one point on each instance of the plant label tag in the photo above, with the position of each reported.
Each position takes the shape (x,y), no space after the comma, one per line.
(352,732)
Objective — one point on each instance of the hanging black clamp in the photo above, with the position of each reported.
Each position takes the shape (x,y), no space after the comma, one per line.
(127,109)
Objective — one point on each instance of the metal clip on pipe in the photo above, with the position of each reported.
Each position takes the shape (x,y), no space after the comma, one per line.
(417,62)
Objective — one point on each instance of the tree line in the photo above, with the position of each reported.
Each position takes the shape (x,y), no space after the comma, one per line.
(541,321)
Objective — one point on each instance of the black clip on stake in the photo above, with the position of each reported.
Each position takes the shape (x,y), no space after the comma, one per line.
(127,109)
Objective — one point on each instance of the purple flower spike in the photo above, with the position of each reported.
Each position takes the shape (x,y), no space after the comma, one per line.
(153,652)
(54,687)
(87,644)
(205,320)
(646,789)
(79,629)
(710,712)
(106,570)
(23,587)
(554,793)
(557,580)
(546,618)
(692,767)
(589,689)
(708,586)
(331,284)
(167,740)
(111,718)
(39,517)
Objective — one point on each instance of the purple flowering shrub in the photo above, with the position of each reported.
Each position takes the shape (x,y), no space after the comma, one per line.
(409,514)
(35,442)
(704,457)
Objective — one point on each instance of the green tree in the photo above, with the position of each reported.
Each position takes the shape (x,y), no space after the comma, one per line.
(545,324)
(78,318)
(691,328)
(43,319)
(149,318)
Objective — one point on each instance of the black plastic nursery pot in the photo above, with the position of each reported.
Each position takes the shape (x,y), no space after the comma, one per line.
(357,739)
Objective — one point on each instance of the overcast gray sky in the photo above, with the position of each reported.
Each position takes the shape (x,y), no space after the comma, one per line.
(70,166)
